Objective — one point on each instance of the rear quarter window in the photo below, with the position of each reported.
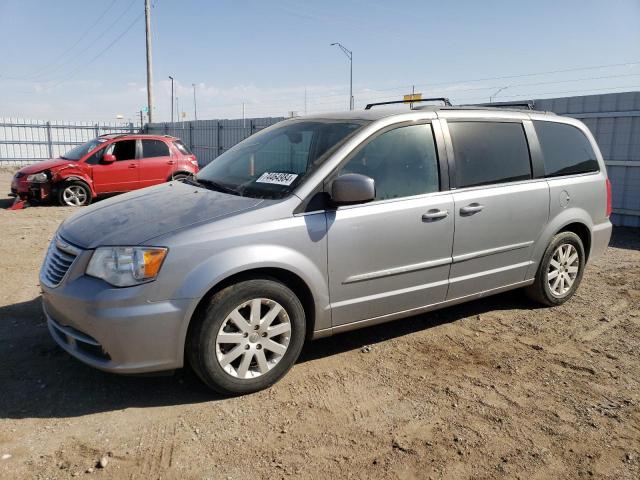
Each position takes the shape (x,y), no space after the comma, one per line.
(182,148)
(565,149)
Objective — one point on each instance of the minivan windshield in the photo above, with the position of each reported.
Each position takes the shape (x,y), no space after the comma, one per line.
(76,153)
(272,163)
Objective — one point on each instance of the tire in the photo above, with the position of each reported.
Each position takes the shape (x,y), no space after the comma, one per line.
(179,176)
(74,194)
(223,366)
(553,291)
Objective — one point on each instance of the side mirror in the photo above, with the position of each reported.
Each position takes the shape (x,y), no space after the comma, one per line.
(108,158)
(353,188)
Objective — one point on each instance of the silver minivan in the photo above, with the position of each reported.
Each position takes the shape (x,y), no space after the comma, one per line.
(323,224)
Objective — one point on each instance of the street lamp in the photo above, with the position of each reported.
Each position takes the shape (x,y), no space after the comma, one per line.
(497,92)
(195,111)
(171,98)
(349,55)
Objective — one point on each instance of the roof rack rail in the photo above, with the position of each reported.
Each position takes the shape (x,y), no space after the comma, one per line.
(530,105)
(435,99)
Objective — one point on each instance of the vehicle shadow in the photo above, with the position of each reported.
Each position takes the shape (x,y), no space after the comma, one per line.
(625,237)
(40,380)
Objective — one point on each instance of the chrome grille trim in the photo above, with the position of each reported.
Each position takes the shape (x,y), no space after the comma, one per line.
(58,261)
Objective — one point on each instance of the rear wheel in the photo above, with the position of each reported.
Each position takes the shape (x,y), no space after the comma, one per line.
(560,270)
(74,194)
(248,337)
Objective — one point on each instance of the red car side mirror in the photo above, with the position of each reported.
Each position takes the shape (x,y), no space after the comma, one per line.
(108,158)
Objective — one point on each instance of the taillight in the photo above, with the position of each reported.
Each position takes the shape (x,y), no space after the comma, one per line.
(609,208)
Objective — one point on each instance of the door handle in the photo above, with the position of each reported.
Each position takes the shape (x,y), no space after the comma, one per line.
(471,209)
(132,165)
(434,214)
(170,162)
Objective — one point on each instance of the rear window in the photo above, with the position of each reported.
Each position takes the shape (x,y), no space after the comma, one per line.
(565,149)
(154,148)
(489,152)
(182,148)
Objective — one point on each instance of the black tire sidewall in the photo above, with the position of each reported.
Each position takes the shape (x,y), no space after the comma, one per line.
(78,183)
(560,239)
(204,343)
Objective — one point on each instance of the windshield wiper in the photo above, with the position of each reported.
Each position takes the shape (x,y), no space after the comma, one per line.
(217,186)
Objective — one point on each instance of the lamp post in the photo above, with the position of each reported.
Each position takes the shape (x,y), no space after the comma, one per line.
(195,110)
(171,98)
(349,55)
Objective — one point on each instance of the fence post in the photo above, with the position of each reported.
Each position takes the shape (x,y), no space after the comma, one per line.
(130,127)
(191,136)
(49,142)
(251,127)
(97,127)
(219,127)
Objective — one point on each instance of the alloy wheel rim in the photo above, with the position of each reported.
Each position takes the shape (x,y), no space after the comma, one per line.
(253,338)
(563,269)
(74,196)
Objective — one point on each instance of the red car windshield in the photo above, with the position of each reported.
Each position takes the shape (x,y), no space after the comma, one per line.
(80,151)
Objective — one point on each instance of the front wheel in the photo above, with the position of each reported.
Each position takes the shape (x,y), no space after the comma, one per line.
(74,194)
(248,337)
(560,270)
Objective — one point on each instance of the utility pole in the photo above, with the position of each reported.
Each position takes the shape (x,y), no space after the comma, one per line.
(141,121)
(349,55)
(195,110)
(147,17)
(177,108)
(171,98)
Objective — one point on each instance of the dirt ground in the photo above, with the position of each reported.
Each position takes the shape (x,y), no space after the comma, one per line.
(497,388)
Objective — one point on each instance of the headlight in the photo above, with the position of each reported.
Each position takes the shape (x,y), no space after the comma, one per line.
(126,266)
(38,178)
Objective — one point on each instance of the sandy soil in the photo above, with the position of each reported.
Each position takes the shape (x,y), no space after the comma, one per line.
(497,388)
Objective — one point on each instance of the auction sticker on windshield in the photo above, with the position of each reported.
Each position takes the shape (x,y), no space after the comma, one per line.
(277,178)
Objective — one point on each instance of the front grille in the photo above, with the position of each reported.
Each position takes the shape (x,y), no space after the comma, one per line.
(59,259)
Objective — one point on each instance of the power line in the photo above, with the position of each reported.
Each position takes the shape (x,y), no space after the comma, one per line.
(102,52)
(37,78)
(287,104)
(501,77)
(80,38)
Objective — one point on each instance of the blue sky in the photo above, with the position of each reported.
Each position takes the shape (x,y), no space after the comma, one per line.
(84,60)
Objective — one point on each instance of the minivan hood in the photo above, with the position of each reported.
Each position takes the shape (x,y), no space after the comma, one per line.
(138,216)
(46,165)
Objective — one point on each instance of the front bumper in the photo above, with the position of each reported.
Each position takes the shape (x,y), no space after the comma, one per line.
(25,190)
(115,329)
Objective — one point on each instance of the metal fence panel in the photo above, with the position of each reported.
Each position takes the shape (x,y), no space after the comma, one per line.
(614,120)
(209,138)
(24,141)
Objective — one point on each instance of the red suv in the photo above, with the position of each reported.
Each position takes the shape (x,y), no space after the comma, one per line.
(104,165)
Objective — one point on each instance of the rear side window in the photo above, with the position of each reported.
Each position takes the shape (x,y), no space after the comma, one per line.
(489,152)
(154,148)
(182,148)
(565,149)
